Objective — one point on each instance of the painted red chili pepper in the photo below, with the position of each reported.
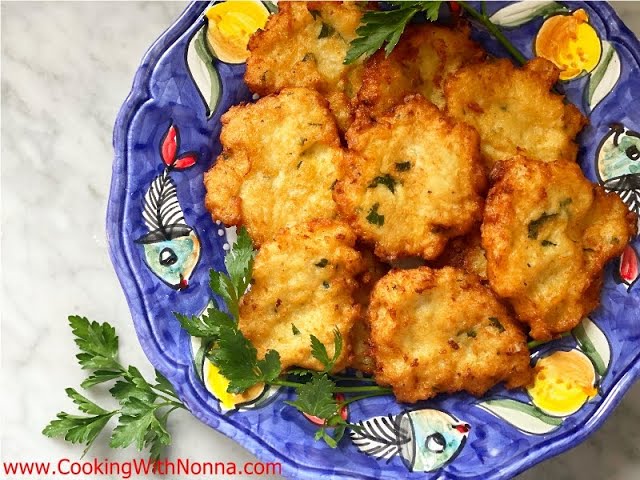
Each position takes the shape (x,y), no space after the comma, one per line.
(169,146)
(455,9)
(185,161)
(629,265)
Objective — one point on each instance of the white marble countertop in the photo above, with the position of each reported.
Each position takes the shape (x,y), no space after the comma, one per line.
(66,69)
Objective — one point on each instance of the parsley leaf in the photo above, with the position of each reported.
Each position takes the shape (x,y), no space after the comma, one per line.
(84,404)
(319,351)
(77,429)
(98,344)
(378,27)
(237,359)
(203,326)
(239,262)
(316,398)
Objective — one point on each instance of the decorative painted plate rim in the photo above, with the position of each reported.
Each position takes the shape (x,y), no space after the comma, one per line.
(121,258)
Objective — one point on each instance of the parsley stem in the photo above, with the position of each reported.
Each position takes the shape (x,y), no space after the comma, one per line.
(537,343)
(368,388)
(286,383)
(352,379)
(362,397)
(495,31)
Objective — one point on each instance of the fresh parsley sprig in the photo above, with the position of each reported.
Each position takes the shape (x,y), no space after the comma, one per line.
(378,27)
(143,406)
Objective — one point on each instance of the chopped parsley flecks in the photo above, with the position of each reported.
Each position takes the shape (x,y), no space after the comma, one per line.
(295,330)
(325,284)
(322,263)
(535,225)
(403,166)
(326,31)
(374,217)
(548,243)
(566,202)
(309,57)
(386,180)
(495,322)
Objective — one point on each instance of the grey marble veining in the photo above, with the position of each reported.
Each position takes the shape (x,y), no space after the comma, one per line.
(66,69)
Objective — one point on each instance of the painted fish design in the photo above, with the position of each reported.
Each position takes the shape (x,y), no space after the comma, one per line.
(619,172)
(619,164)
(425,439)
(171,247)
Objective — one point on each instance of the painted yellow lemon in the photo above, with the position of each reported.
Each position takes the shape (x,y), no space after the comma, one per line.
(231,24)
(570,43)
(217,385)
(563,383)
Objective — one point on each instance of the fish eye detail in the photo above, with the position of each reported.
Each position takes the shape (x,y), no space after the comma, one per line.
(435,443)
(167,257)
(632,152)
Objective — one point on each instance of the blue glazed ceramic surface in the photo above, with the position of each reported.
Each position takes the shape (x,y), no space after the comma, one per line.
(166,137)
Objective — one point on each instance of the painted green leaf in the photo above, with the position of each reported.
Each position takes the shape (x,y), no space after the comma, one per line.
(200,63)
(520,13)
(521,415)
(594,344)
(604,76)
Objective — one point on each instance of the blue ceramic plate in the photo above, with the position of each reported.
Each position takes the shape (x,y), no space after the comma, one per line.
(163,243)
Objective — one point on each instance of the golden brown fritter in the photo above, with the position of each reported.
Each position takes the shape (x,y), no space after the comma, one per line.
(361,358)
(437,331)
(548,233)
(413,180)
(304,45)
(277,166)
(305,278)
(424,58)
(466,252)
(514,110)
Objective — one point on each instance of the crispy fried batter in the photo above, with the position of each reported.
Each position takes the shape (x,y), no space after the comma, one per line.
(278,164)
(413,180)
(424,58)
(304,277)
(514,110)
(304,45)
(548,232)
(361,358)
(465,252)
(436,331)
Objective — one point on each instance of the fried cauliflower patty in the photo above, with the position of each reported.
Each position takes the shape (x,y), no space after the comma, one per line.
(361,358)
(277,166)
(424,58)
(437,331)
(514,110)
(412,180)
(466,252)
(304,45)
(548,233)
(303,284)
